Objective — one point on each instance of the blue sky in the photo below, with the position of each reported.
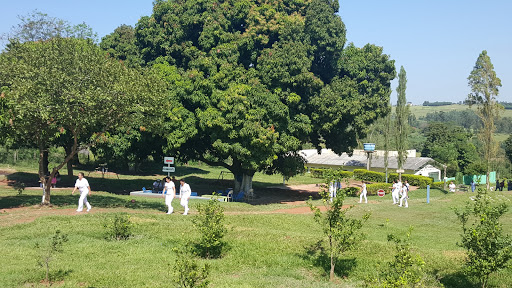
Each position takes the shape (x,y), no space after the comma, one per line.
(436,41)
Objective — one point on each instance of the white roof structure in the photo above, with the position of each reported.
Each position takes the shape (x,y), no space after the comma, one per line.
(328,158)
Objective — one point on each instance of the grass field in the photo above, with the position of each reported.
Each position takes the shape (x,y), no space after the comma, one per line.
(422,111)
(267,246)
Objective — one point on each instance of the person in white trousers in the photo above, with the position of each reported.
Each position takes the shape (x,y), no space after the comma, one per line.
(83,186)
(363,193)
(169,193)
(185,192)
(394,192)
(332,190)
(405,195)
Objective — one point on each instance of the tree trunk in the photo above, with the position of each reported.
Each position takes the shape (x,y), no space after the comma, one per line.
(68,149)
(487,178)
(331,273)
(243,182)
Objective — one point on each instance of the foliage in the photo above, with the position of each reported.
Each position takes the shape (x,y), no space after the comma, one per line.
(374,187)
(406,269)
(508,148)
(73,91)
(372,176)
(484,89)
(488,250)
(186,271)
(437,185)
(450,145)
(48,252)
(401,120)
(341,230)
(210,223)
(119,228)
(120,45)
(38,26)
(251,82)
(350,191)
(436,103)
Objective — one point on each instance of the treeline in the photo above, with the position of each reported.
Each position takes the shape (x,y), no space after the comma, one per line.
(437,103)
(467,119)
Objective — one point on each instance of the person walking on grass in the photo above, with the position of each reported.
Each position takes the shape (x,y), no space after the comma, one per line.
(394,192)
(363,193)
(185,193)
(169,193)
(405,195)
(83,186)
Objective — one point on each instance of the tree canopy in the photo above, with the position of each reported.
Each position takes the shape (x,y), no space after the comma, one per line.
(67,86)
(252,81)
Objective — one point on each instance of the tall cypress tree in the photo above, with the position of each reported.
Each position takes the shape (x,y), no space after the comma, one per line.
(484,89)
(401,120)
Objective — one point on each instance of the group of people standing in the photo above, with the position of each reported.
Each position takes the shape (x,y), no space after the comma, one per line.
(400,193)
(169,193)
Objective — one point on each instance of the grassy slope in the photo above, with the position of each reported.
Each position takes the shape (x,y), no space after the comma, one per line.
(265,250)
(422,111)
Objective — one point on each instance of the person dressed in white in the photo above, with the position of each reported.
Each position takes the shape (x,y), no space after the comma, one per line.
(169,193)
(363,193)
(405,195)
(452,187)
(185,193)
(83,186)
(332,190)
(394,192)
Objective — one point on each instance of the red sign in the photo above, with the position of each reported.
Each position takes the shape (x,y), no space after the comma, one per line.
(381,193)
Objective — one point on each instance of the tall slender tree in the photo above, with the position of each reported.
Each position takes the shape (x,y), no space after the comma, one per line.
(401,120)
(484,89)
(387,144)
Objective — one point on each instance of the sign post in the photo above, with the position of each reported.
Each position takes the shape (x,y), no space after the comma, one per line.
(169,161)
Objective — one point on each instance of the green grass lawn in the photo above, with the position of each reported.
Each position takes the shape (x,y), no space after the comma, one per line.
(265,249)
(422,111)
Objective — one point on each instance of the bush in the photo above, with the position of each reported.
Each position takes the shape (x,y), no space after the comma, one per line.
(374,187)
(336,174)
(406,270)
(437,185)
(120,228)
(365,175)
(414,180)
(49,251)
(350,191)
(187,273)
(488,249)
(210,223)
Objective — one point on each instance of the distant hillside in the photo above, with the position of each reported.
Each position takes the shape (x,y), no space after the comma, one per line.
(422,111)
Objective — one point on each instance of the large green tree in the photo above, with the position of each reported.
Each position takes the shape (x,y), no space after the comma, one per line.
(451,145)
(254,80)
(67,86)
(484,89)
(120,44)
(401,119)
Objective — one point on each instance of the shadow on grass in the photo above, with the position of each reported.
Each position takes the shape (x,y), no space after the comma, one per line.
(112,184)
(317,255)
(457,280)
(100,201)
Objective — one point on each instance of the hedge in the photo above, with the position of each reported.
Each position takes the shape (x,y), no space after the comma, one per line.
(365,175)
(339,174)
(414,180)
(438,185)
(374,187)
(351,191)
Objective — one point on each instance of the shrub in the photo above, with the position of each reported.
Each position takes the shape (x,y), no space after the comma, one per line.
(341,230)
(406,269)
(350,191)
(374,187)
(414,180)
(49,251)
(365,175)
(488,250)
(187,273)
(317,172)
(336,174)
(210,223)
(437,185)
(119,228)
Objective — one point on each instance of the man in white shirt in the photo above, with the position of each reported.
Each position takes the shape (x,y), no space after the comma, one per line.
(185,193)
(405,195)
(169,193)
(451,187)
(394,192)
(83,186)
